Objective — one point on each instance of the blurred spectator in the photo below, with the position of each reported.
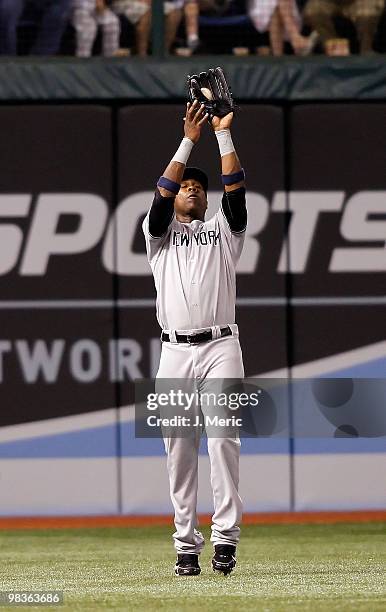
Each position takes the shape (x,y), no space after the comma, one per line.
(138,13)
(191,13)
(51,15)
(174,11)
(226,27)
(364,14)
(282,19)
(214,7)
(380,36)
(87,16)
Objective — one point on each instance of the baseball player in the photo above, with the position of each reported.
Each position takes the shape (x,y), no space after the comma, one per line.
(193,262)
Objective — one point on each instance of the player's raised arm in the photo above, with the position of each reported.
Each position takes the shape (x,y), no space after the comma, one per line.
(169,183)
(231,171)
(211,89)
(232,174)
(162,209)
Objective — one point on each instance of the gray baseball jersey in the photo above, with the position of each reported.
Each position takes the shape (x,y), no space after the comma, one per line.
(193,265)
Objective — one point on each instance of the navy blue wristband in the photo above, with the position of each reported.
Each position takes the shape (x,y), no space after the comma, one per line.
(168,184)
(231,179)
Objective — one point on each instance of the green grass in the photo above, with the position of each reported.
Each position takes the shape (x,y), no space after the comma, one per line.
(279,569)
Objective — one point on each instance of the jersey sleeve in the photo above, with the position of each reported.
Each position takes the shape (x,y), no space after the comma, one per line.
(157,223)
(234,208)
(232,218)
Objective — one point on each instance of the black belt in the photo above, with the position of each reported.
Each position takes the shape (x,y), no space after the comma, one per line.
(197,338)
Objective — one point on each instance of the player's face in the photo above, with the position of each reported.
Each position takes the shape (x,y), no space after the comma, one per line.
(191,200)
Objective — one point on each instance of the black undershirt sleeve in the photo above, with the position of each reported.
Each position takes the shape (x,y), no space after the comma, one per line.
(234,208)
(161,214)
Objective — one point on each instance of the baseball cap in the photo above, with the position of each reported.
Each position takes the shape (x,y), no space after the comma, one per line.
(195,173)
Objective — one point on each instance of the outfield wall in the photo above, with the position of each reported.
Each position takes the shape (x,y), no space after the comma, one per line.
(77,300)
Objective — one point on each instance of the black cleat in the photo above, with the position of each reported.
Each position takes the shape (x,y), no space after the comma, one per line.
(187,565)
(224,559)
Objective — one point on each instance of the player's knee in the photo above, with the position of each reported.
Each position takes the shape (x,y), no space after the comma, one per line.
(224,445)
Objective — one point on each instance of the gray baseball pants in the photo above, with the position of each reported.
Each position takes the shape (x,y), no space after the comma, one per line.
(218,359)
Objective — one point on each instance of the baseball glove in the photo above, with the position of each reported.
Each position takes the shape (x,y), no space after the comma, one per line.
(211,89)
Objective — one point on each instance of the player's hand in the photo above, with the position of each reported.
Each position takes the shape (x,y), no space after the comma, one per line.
(194,119)
(222,123)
